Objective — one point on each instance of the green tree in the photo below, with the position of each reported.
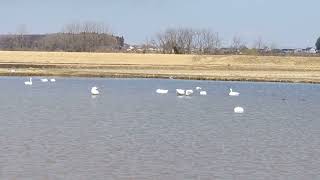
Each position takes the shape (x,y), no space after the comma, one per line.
(318,44)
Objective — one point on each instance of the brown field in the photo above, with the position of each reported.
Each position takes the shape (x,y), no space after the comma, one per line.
(219,67)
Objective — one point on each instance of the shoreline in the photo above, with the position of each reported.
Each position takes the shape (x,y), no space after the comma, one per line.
(187,67)
(155,76)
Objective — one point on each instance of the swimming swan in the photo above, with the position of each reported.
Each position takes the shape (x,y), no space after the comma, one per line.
(44,80)
(203,93)
(94,91)
(53,80)
(189,92)
(238,110)
(180,92)
(162,91)
(198,88)
(233,93)
(28,82)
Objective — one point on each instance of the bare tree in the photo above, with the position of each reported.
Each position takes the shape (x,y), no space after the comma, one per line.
(259,44)
(217,41)
(187,40)
(206,41)
(184,40)
(237,44)
(167,41)
(19,40)
(149,46)
(198,43)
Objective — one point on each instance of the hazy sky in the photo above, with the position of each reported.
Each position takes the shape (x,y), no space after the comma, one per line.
(284,23)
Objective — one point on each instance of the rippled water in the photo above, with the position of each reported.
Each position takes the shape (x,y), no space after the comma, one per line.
(59,131)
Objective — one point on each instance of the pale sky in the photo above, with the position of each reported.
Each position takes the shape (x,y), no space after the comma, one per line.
(284,23)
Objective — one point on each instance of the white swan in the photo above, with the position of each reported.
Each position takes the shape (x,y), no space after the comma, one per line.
(94,91)
(162,91)
(28,82)
(198,88)
(44,80)
(189,92)
(203,93)
(233,93)
(53,80)
(238,110)
(180,92)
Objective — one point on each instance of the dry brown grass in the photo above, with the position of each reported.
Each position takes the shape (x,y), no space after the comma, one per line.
(147,59)
(221,67)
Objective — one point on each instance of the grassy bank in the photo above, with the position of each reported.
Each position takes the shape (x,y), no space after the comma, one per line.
(249,68)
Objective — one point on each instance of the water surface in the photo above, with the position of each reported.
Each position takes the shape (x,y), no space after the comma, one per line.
(59,131)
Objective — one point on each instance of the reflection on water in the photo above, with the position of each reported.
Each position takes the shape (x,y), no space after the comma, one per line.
(59,131)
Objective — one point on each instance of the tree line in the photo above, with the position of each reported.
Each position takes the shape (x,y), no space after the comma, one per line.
(187,41)
(96,37)
(75,37)
(206,41)
(199,41)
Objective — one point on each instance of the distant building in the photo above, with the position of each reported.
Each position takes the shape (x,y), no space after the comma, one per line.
(310,50)
(288,51)
(276,51)
(130,48)
(298,51)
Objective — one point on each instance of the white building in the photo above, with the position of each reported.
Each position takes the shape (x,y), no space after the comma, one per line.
(310,50)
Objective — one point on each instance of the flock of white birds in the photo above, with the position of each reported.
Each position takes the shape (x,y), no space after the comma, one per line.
(189,92)
(179,92)
(94,90)
(29,83)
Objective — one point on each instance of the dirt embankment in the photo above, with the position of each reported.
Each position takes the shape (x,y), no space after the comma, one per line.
(229,67)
